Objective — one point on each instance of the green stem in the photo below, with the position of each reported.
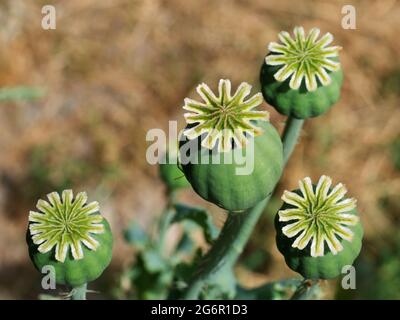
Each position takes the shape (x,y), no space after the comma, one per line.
(238,226)
(290,136)
(79,293)
(227,248)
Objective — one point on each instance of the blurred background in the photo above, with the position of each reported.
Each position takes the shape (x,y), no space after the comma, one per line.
(114,69)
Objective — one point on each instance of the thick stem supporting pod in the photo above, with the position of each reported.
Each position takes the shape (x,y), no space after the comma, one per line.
(79,293)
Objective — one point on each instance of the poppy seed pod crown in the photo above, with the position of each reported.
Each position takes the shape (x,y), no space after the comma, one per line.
(221,128)
(302,76)
(225,118)
(318,230)
(71,236)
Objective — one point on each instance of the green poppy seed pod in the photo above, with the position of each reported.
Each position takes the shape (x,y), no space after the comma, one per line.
(71,236)
(170,173)
(223,131)
(318,230)
(302,76)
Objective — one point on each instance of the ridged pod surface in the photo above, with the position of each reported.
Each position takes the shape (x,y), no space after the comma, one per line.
(318,230)
(299,103)
(74,272)
(328,266)
(301,76)
(220,183)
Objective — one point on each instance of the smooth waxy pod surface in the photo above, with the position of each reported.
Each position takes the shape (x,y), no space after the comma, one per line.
(302,77)
(318,231)
(70,236)
(225,164)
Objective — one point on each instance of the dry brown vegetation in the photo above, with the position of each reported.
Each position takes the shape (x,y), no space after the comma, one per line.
(113,69)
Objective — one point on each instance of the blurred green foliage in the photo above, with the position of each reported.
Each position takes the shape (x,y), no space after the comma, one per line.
(156,273)
(377,271)
(378,266)
(21,93)
(200,217)
(277,290)
(387,276)
(159,271)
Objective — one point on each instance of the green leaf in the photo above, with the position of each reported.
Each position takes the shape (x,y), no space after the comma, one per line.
(222,285)
(256,260)
(135,235)
(185,244)
(183,272)
(21,93)
(198,216)
(153,261)
(151,275)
